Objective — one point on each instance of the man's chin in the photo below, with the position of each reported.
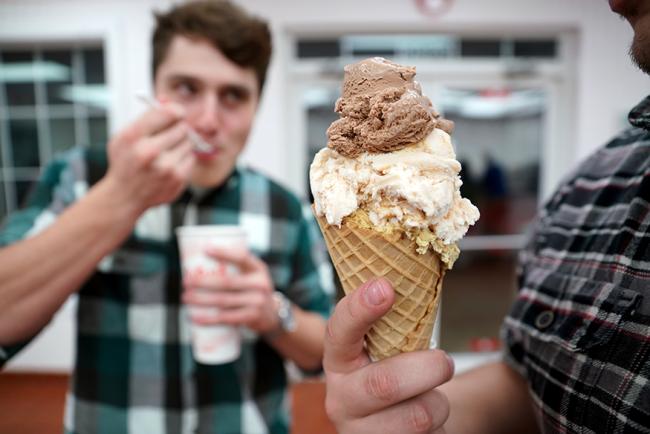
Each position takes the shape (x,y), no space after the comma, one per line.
(640,53)
(640,48)
(210,178)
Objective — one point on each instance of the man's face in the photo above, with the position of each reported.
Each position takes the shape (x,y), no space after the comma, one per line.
(220,99)
(637,13)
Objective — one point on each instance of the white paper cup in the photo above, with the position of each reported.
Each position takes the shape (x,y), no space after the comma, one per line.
(213,344)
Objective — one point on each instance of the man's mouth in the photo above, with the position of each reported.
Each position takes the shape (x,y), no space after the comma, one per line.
(206,154)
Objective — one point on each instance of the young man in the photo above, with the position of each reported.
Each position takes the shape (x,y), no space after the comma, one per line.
(577,356)
(102,226)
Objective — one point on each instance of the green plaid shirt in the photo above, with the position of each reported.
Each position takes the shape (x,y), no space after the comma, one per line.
(134,371)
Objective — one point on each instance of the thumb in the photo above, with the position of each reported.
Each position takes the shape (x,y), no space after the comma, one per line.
(351,320)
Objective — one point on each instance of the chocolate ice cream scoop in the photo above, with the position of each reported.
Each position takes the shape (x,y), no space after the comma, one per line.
(382,109)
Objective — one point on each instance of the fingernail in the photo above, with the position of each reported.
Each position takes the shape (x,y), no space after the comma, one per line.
(375,294)
(452,364)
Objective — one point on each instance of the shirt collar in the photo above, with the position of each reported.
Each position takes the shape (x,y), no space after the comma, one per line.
(640,115)
(200,193)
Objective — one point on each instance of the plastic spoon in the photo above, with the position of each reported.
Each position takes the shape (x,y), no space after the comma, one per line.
(199,144)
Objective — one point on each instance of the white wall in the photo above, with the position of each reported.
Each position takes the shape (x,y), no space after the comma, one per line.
(607,82)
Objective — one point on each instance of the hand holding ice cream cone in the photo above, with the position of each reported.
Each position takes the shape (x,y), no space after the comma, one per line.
(399,394)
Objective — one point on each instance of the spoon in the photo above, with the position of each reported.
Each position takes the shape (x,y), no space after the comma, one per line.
(196,139)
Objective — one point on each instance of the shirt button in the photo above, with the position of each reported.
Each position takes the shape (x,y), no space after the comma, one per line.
(544,319)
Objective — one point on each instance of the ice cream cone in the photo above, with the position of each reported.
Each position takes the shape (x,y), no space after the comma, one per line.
(387,197)
(360,254)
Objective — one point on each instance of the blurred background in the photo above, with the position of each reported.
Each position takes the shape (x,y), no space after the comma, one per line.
(533,86)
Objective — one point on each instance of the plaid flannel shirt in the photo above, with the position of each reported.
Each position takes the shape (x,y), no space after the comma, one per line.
(579,331)
(134,371)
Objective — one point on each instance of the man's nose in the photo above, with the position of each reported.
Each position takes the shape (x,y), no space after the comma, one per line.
(207,118)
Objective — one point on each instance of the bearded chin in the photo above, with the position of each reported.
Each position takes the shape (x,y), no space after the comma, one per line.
(640,52)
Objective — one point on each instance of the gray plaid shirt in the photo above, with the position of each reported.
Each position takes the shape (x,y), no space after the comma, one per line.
(579,331)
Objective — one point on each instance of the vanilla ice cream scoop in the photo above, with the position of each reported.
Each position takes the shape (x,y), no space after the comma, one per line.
(416,187)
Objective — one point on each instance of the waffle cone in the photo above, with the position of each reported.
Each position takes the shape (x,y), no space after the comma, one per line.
(360,254)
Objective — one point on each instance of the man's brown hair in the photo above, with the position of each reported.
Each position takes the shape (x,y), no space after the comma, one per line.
(242,38)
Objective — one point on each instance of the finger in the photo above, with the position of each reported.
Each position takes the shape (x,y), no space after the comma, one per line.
(171,137)
(240,316)
(203,314)
(231,282)
(228,277)
(383,384)
(151,149)
(186,164)
(426,413)
(169,160)
(239,256)
(352,318)
(222,299)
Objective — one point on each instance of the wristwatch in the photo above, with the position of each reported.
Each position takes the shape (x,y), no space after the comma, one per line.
(286,320)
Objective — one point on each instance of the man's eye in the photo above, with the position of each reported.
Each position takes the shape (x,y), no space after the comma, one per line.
(233,96)
(185,89)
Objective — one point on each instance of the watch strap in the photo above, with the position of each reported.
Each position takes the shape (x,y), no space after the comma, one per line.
(286,320)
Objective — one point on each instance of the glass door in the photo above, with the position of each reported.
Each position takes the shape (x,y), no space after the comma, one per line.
(505,97)
(499,139)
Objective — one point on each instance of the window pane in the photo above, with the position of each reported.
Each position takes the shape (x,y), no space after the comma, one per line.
(498,139)
(98,131)
(67,99)
(94,111)
(370,52)
(22,190)
(3,202)
(19,70)
(61,61)
(94,66)
(319,118)
(20,94)
(24,142)
(541,48)
(476,296)
(315,49)
(480,47)
(3,146)
(62,134)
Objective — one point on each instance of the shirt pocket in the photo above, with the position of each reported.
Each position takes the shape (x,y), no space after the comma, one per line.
(576,313)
